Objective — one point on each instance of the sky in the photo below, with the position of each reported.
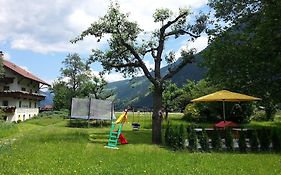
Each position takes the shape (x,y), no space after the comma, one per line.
(35,34)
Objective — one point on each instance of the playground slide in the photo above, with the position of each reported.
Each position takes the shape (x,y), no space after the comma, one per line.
(122,119)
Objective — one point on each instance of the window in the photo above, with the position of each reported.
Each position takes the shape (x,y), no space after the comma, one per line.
(5,103)
(35,105)
(6,88)
(23,89)
(19,104)
(30,104)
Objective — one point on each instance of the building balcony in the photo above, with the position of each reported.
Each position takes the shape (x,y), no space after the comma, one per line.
(22,94)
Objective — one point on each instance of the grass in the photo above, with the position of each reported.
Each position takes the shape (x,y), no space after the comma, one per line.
(48,146)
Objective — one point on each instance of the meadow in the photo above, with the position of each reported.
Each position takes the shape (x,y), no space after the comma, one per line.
(47,145)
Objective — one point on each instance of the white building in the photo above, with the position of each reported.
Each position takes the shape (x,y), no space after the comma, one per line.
(19,92)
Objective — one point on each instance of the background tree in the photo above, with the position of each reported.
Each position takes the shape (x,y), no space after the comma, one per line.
(245,54)
(170,95)
(77,80)
(74,72)
(127,50)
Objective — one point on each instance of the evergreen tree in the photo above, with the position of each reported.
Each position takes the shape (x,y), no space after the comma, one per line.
(276,139)
(216,140)
(242,142)
(254,141)
(204,141)
(229,139)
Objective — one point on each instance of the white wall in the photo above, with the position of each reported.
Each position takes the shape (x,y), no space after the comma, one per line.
(23,114)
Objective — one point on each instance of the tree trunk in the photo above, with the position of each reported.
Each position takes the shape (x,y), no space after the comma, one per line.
(157,116)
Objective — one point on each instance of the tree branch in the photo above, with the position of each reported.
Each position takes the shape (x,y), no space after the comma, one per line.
(125,65)
(177,68)
(181,32)
(141,63)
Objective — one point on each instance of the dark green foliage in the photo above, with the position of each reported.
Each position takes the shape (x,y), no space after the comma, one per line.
(276,139)
(181,137)
(254,141)
(192,140)
(242,142)
(247,49)
(204,141)
(264,138)
(229,139)
(170,94)
(168,138)
(175,137)
(216,140)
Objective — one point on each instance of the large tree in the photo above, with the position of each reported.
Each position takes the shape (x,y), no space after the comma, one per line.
(77,80)
(128,47)
(246,53)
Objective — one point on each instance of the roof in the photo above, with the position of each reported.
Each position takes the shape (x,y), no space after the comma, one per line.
(22,72)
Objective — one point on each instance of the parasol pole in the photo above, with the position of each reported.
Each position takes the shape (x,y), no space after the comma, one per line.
(223,106)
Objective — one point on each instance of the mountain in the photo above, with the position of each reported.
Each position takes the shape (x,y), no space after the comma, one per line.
(48,98)
(136,92)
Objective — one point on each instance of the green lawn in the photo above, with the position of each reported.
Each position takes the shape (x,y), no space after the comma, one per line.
(47,146)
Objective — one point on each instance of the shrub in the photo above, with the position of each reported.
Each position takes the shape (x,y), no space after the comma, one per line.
(259,116)
(191,113)
(242,142)
(264,139)
(181,137)
(174,138)
(192,140)
(204,141)
(276,139)
(229,139)
(168,134)
(254,141)
(216,140)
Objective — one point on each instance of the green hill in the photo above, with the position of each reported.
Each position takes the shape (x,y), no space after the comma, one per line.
(136,92)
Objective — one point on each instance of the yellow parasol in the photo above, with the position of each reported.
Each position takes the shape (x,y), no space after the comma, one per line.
(224,96)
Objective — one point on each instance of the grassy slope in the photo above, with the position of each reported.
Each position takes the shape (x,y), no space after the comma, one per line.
(46,146)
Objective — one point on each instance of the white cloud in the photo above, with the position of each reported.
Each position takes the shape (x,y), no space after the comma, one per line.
(199,44)
(7,56)
(113,77)
(48,26)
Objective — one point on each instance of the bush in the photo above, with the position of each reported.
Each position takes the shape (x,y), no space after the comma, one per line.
(216,140)
(254,141)
(264,138)
(181,137)
(175,137)
(242,142)
(168,134)
(204,141)
(192,139)
(191,113)
(259,116)
(229,139)
(276,139)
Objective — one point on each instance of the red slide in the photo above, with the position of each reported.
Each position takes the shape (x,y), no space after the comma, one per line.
(122,139)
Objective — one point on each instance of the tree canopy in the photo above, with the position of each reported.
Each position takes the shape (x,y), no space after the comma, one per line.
(128,47)
(245,53)
(77,80)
